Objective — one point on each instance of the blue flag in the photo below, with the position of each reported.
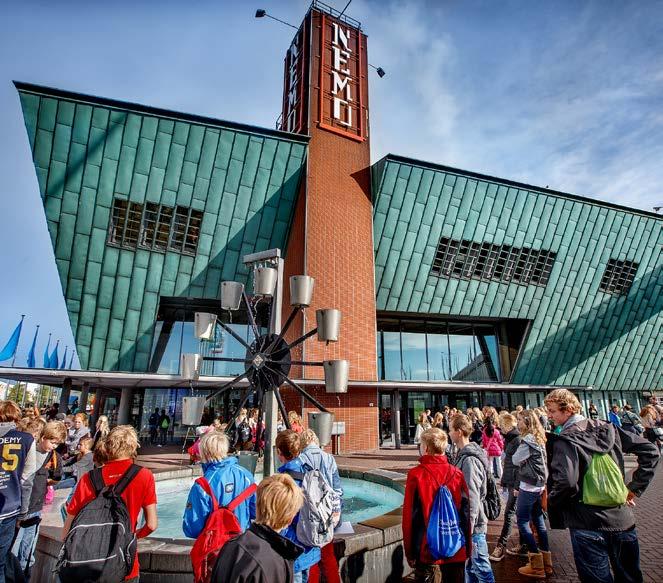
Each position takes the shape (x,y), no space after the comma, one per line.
(71,361)
(53,361)
(47,358)
(31,354)
(64,358)
(10,348)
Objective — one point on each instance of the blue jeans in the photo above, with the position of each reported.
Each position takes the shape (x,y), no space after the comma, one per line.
(595,551)
(7,527)
(495,463)
(65,483)
(300,576)
(24,544)
(528,508)
(478,569)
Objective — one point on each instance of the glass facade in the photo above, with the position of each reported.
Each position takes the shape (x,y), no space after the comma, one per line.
(182,340)
(438,351)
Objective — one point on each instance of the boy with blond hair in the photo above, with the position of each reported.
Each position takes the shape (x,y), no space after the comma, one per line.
(260,553)
(314,457)
(422,486)
(601,537)
(119,450)
(49,471)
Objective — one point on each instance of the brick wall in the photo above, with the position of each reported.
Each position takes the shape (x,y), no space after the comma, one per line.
(339,236)
(358,408)
(332,240)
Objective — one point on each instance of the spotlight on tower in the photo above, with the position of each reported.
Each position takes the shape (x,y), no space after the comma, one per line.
(379,70)
(261,13)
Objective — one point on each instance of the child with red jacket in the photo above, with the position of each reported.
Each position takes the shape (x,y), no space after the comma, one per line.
(423,483)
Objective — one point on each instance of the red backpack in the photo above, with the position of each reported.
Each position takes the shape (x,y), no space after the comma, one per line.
(221,526)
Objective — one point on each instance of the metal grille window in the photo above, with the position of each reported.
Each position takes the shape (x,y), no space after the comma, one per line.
(470,260)
(156,227)
(618,277)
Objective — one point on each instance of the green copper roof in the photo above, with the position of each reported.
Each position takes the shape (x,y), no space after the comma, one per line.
(89,151)
(579,335)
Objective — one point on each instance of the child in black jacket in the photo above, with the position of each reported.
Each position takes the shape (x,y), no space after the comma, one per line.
(508,426)
(261,554)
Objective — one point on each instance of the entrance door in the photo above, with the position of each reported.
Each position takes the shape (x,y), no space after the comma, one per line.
(463,401)
(386,435)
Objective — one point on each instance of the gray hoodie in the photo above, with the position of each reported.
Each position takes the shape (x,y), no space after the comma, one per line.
(473,462)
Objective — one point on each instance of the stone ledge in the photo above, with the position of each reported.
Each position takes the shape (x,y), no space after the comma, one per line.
(374,547)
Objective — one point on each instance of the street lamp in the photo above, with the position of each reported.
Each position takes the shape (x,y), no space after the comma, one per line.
(268,358)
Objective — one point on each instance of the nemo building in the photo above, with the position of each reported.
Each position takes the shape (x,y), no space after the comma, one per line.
(455,288)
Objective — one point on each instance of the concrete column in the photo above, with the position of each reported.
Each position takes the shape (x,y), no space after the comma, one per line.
(396,418)
(82,402)
(64,395)
(124,411)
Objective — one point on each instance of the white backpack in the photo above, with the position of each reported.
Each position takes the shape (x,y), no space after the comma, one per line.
(316,523)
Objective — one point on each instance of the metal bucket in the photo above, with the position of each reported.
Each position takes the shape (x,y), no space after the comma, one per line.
(248,460)
(322,424)
(190,366)
(264,281)
(231,295)
(301,290)
(204,325)
(336,375)
(192,410)
(329,323)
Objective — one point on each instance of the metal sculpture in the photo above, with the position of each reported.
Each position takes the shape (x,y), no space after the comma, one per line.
(269,357)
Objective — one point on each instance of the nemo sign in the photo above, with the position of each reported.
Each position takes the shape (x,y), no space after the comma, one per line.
(327,57)
(342,71)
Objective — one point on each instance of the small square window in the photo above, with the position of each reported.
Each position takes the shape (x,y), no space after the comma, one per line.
(618,277)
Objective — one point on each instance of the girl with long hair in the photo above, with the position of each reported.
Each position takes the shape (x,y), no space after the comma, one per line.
(530,457)
(422,425)
(102,429)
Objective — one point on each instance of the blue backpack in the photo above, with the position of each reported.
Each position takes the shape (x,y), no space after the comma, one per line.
(444,534)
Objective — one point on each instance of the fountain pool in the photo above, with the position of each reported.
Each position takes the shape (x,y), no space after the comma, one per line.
(361,501)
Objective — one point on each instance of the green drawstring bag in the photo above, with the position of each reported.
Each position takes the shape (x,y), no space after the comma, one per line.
(603,484)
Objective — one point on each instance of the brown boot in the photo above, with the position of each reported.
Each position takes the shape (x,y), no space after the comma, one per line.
(547,562)
(534,568)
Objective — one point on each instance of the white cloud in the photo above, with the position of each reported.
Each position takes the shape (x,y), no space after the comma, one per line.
(574,106)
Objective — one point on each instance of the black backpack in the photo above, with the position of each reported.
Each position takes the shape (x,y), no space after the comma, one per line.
(492,503)
(244,432)
(101,544)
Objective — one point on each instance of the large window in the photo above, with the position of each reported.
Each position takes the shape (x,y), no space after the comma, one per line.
(174,335)
(437,351)
(154,226)
(471,260)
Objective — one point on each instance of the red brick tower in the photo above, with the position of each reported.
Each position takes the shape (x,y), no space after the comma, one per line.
(326,96)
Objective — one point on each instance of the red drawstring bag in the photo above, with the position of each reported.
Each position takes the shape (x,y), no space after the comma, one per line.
(221,526)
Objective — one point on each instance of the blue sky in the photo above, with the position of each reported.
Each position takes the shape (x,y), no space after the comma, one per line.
(566,94)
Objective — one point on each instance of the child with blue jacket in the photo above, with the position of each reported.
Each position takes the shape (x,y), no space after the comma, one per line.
(227,479)
(288,447)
